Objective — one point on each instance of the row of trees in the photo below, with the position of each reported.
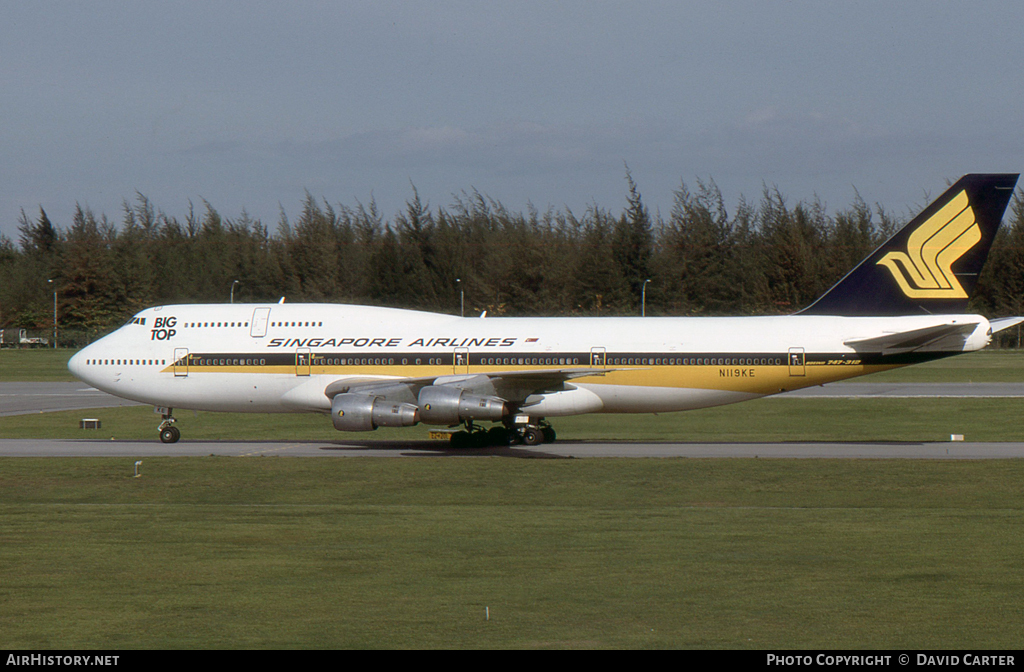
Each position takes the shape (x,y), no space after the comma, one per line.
(765,257)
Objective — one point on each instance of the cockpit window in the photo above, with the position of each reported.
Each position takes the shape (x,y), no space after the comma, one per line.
(137,320)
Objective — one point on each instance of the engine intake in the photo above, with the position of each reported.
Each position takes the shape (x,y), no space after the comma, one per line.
(363,413)
(445,405)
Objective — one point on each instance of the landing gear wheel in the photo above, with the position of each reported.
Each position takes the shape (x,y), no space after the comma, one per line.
(533,436)
(168,432)
(460,440)
(549,434)
(170,435)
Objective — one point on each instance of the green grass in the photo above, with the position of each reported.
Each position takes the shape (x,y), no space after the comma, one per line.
(35,365)
(278,553)
(384,553)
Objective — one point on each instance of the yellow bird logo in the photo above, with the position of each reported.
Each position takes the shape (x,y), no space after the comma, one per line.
(924,270)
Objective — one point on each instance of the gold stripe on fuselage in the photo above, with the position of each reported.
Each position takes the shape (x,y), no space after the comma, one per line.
(756,379)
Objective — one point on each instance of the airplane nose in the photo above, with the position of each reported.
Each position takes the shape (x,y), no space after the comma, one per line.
(75,364)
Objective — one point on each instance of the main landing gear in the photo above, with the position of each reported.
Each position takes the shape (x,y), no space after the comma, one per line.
(532,433)
(168,432)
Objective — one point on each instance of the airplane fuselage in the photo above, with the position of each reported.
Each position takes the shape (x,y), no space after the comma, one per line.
(268,358)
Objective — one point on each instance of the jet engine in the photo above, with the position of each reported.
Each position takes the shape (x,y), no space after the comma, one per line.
(364,412)
(447,405)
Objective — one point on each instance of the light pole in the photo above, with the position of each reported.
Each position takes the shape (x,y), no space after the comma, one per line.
(462,298)
(643,299)
(50,282)
(233,290)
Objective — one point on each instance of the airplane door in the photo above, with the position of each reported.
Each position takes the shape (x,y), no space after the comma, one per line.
(796,362)
(461,361)
(260,318)
(302,357)
(598,357)
(181,362)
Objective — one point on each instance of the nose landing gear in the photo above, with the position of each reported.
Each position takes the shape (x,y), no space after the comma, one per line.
(168,432)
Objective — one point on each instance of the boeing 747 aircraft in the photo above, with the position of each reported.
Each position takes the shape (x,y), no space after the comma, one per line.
(381,367)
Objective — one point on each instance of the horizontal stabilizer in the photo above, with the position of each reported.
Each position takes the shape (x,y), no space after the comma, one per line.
(942,337)
(1005,323)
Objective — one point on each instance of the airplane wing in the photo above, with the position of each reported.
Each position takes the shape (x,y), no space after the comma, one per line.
(511,386)
(363,404)
(939,337)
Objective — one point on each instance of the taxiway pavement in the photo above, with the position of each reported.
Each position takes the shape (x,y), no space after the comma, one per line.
(26,398)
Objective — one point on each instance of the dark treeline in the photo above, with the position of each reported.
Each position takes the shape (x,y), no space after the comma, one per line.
(768,257)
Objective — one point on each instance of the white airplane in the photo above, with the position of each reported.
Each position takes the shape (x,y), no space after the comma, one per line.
(381,367)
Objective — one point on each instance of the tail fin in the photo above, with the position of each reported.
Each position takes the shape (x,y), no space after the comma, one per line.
(931,265)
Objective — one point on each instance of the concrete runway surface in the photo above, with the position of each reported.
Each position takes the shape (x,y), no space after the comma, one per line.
(26,398)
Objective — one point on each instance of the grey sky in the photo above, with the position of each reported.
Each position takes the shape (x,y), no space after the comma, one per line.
(249,104)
